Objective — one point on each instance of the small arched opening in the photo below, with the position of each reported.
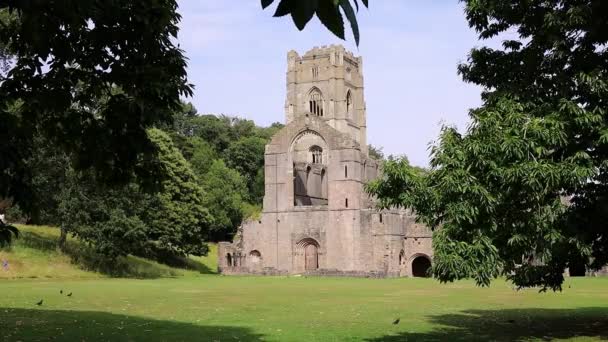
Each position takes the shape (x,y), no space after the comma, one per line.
(316,154)
(255,257)
(421,266)
(349,105)
(401,257)
(229,260)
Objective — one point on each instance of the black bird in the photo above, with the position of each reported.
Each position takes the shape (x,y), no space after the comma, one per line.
(39,303)
(61,291)
(397,321)
(70,294)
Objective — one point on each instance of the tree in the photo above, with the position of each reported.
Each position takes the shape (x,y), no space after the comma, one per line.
(247,157)
(328,12)
(375,152)
(122,220)
(225,191)
(7,234)
(69,54)
(524,192)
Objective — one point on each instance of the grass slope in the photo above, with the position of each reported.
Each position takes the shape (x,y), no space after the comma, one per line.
(222,308)
(34,255)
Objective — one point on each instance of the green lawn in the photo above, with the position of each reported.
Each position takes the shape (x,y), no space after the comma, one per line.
(177,304)
(222,308)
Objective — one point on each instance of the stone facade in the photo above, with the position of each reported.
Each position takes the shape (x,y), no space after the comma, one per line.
(317,218)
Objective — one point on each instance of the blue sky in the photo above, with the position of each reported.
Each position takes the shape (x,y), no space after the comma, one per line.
(411,48)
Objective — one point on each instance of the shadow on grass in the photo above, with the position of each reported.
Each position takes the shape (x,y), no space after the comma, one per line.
(512,325)
(62,325)
(129,267)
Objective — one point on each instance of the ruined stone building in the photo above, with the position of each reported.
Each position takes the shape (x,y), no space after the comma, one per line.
(317,218)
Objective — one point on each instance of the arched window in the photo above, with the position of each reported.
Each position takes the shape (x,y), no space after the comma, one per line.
(317,154)
(349,105)
(380,218)
(315,102)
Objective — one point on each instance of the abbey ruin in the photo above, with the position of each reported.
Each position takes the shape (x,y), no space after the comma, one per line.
(317,218)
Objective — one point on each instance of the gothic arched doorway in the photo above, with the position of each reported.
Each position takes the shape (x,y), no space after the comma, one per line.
(307,255)
(311,257)
(420,266)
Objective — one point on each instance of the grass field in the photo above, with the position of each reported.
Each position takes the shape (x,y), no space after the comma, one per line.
(192,306)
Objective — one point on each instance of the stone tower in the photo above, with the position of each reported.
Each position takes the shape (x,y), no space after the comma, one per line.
(317,217)
(328,82)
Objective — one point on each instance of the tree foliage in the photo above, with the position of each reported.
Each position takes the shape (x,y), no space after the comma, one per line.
(7,234)
(122,220)
(70,54)
(524,192)
(225,194)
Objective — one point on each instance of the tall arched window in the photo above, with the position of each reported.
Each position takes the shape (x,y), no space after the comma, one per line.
(317,154)
(315,102)
(349,105)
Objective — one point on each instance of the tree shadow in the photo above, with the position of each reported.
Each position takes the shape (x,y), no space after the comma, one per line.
(511,325)
(63,325)
(186,263)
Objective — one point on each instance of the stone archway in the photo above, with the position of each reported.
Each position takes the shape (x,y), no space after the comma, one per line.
(255,260)
(421,265)
(306,256)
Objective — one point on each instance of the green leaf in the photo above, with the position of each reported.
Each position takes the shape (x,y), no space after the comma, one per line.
(266,3)
(330,17)
(284,8)
(303,11)
(352,18)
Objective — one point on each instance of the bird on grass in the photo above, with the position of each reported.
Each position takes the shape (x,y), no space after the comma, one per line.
(39,303)
(61,291)
(70,294)
(397,321)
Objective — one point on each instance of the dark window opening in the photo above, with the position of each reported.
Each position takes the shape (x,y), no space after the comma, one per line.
(317,154)
(346,202)
(345,171)
(380,218)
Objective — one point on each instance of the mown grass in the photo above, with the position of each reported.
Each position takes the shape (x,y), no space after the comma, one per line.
(35,255)
(222,308)
(186,305)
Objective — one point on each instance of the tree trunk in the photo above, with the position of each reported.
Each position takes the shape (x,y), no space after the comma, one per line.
(62,237)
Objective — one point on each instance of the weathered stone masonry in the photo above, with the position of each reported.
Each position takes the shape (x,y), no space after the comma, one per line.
(317,218)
